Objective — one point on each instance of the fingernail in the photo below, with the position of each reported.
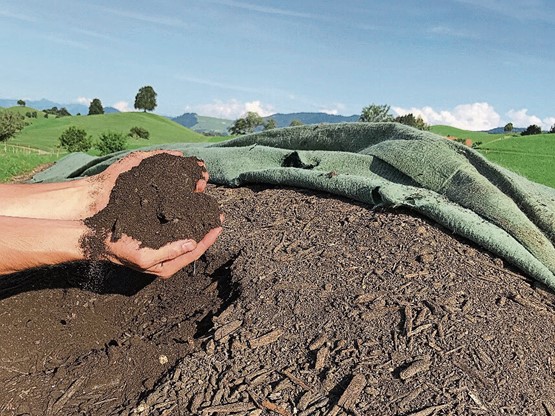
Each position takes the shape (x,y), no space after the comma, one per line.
(189,245)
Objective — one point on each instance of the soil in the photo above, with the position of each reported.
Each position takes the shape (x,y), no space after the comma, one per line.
(308,304)
(155,203)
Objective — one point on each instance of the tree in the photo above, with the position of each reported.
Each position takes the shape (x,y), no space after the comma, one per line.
(410,120)
(145,99)
(552,129)
(375,114)
(21,103)
(74,139)
(139,133)
(110,142)
(11,123)
(246,124)
(270,124)
(296,122)
(531,130)
(96,107)
(508,128)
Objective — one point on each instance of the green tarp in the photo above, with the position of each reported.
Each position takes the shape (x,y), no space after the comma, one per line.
(384,164)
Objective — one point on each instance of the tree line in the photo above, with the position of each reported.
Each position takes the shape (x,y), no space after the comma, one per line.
(373,113)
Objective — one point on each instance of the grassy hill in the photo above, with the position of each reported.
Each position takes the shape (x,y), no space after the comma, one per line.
(476,136)
(529,156)
(43,133)
(203,123)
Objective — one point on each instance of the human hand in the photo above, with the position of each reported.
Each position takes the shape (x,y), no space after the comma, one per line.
(163,262)
(100,186)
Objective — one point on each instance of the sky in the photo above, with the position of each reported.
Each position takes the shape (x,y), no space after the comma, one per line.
(474,64)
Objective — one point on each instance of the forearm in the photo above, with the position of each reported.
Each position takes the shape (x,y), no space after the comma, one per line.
(28,242)
(64,200)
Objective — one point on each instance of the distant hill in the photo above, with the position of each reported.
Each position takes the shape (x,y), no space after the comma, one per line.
(43,104)
(284,120)
(500,130)
(203,124)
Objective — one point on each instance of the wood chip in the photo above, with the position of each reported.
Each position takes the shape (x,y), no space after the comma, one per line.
(321,357)
(415,368)
(267,339)
(419,329)
(352,393)
(429,410)
(227,329)
(408,320)
(318,342)
(275,408)
(296,380)
(403,404)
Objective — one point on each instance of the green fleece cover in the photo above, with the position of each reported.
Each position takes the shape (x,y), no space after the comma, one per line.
(387,165)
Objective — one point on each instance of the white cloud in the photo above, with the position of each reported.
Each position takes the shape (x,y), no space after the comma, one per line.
(335,109)
(521,118)
(84,100)
(476,116)
(232,109)
(122,106)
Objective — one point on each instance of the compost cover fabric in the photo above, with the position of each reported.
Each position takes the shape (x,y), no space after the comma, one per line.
(383,164)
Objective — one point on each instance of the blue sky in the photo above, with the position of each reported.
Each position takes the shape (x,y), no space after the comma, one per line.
(469,63)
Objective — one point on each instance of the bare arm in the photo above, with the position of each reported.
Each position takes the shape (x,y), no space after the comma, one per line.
(57,201)
(32,242)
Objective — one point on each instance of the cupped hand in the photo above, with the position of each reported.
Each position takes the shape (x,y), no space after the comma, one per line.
(163,262)
(101,185)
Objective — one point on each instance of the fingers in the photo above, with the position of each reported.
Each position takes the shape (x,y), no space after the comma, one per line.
(128,252)
(168,268)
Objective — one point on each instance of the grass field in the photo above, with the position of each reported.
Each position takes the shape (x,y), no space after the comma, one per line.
(529,156)
(19,160)
(476,136)
(43,133)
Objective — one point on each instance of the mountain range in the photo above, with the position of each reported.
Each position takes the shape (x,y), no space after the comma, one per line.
(44,104)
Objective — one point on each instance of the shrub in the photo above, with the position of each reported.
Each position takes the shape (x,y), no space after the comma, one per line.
(139,133)
(111,142)
(531,130)
(11,123)
(74,139)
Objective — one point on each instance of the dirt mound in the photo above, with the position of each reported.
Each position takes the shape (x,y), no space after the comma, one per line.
(308,304)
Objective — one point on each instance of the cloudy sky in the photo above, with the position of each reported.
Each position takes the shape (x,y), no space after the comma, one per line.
(474,64)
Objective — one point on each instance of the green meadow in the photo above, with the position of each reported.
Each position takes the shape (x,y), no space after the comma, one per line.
(43,133)
(475,136)
(18,160)
(529,156)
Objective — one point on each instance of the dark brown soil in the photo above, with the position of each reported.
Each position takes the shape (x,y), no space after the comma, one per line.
(307,305)
(155,203)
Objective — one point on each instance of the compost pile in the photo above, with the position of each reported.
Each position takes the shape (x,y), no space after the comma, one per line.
(308,304)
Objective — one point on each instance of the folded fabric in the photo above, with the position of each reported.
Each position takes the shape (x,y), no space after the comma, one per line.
(383,164)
